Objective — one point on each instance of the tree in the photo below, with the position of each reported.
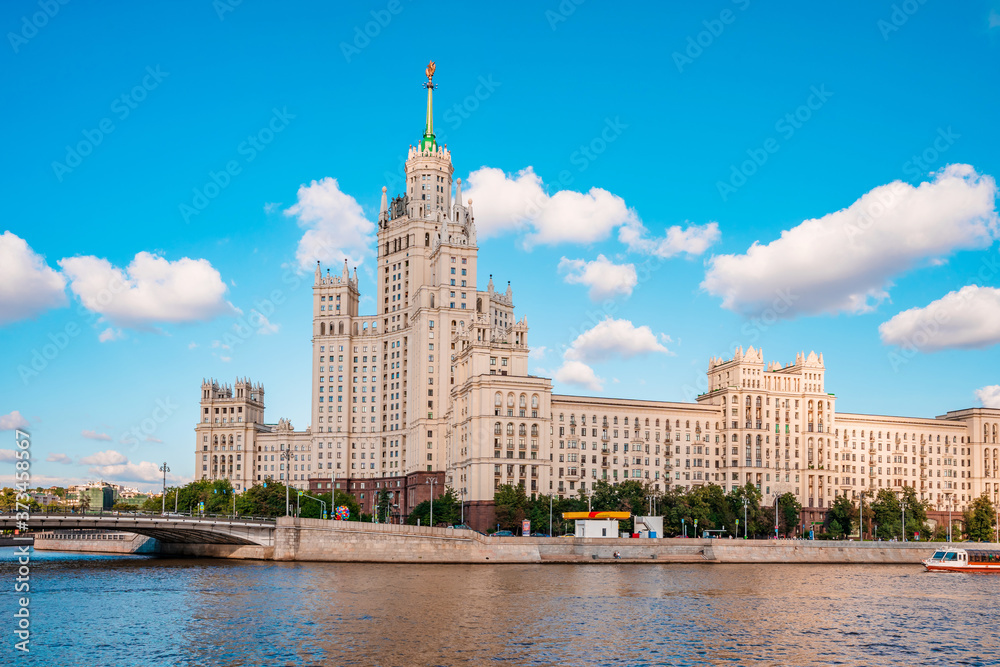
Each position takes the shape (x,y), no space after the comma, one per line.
(511,506)
(916,512)
(980,517)
(755,518)
(447,510)
(842,516)
(789,511)
(886,514)
(83,502)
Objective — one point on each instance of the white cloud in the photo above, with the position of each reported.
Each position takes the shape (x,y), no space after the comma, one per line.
(264,326)
(7,455)
(225,359)
(505,203)
(612,338)
(844,261)
(151,289)
(105,458)
(94,435)
(579,373)
(28,286)
(144,471)
(989,396)
(967,318)
(605,278)
(110,334)
(335,224)
(12,421)
(192,345)
(58,458)
(150,438)
(538,352)
(692,240)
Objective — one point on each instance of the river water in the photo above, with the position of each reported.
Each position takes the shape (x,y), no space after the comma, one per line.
(91,610)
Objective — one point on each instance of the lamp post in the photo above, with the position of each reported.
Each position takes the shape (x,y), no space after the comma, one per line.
(286,456)
(164,469)
(463,505)
(432,481)
(949,517)
(902,509)
(861,517)
(333,489)
(775,515)
(550,515)
(746,503)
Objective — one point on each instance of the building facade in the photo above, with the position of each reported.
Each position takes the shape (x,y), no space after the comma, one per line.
(437,381)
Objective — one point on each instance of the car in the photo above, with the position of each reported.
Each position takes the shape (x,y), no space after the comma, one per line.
(503,533)
(540,535)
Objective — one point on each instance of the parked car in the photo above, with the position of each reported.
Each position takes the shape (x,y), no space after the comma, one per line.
(503,533)
(540,535)
(462,526)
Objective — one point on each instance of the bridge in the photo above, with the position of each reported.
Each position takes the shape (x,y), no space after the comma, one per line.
(167,529)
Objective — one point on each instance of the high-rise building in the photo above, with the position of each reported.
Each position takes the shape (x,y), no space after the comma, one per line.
(437,381)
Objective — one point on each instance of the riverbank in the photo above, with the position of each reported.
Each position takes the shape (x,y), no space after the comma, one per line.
(347,542)
(353,542)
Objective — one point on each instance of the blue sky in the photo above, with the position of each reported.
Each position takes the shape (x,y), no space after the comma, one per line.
(687,133)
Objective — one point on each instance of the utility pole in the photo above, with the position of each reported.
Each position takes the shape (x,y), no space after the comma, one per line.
(550,515)
(164,469)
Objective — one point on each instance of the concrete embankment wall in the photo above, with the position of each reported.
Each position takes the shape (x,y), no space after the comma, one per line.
(315,540)
(235,551)
(95,541)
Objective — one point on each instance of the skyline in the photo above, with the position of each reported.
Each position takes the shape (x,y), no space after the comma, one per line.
(852,260)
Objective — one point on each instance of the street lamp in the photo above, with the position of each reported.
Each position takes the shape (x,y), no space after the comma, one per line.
(902,508)
(775,515)
(432,481)
(164,469)
(746,503)
(286,455)
(550,515)
(861,517)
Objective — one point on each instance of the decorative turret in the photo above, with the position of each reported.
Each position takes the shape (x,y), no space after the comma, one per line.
(383,214)
(347,273)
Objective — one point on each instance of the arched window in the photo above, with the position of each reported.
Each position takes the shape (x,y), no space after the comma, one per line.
(427,240)
(510,428)
(534,430)
(322,328)
(498,399)
(534,401)
(522,430)
(522,401)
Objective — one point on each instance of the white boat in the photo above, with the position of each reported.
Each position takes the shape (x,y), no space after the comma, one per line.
(952,559)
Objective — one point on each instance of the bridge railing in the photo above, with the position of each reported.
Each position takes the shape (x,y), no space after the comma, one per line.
(78,513)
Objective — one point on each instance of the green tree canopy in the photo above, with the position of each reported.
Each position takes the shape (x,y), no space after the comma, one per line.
(980,518)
